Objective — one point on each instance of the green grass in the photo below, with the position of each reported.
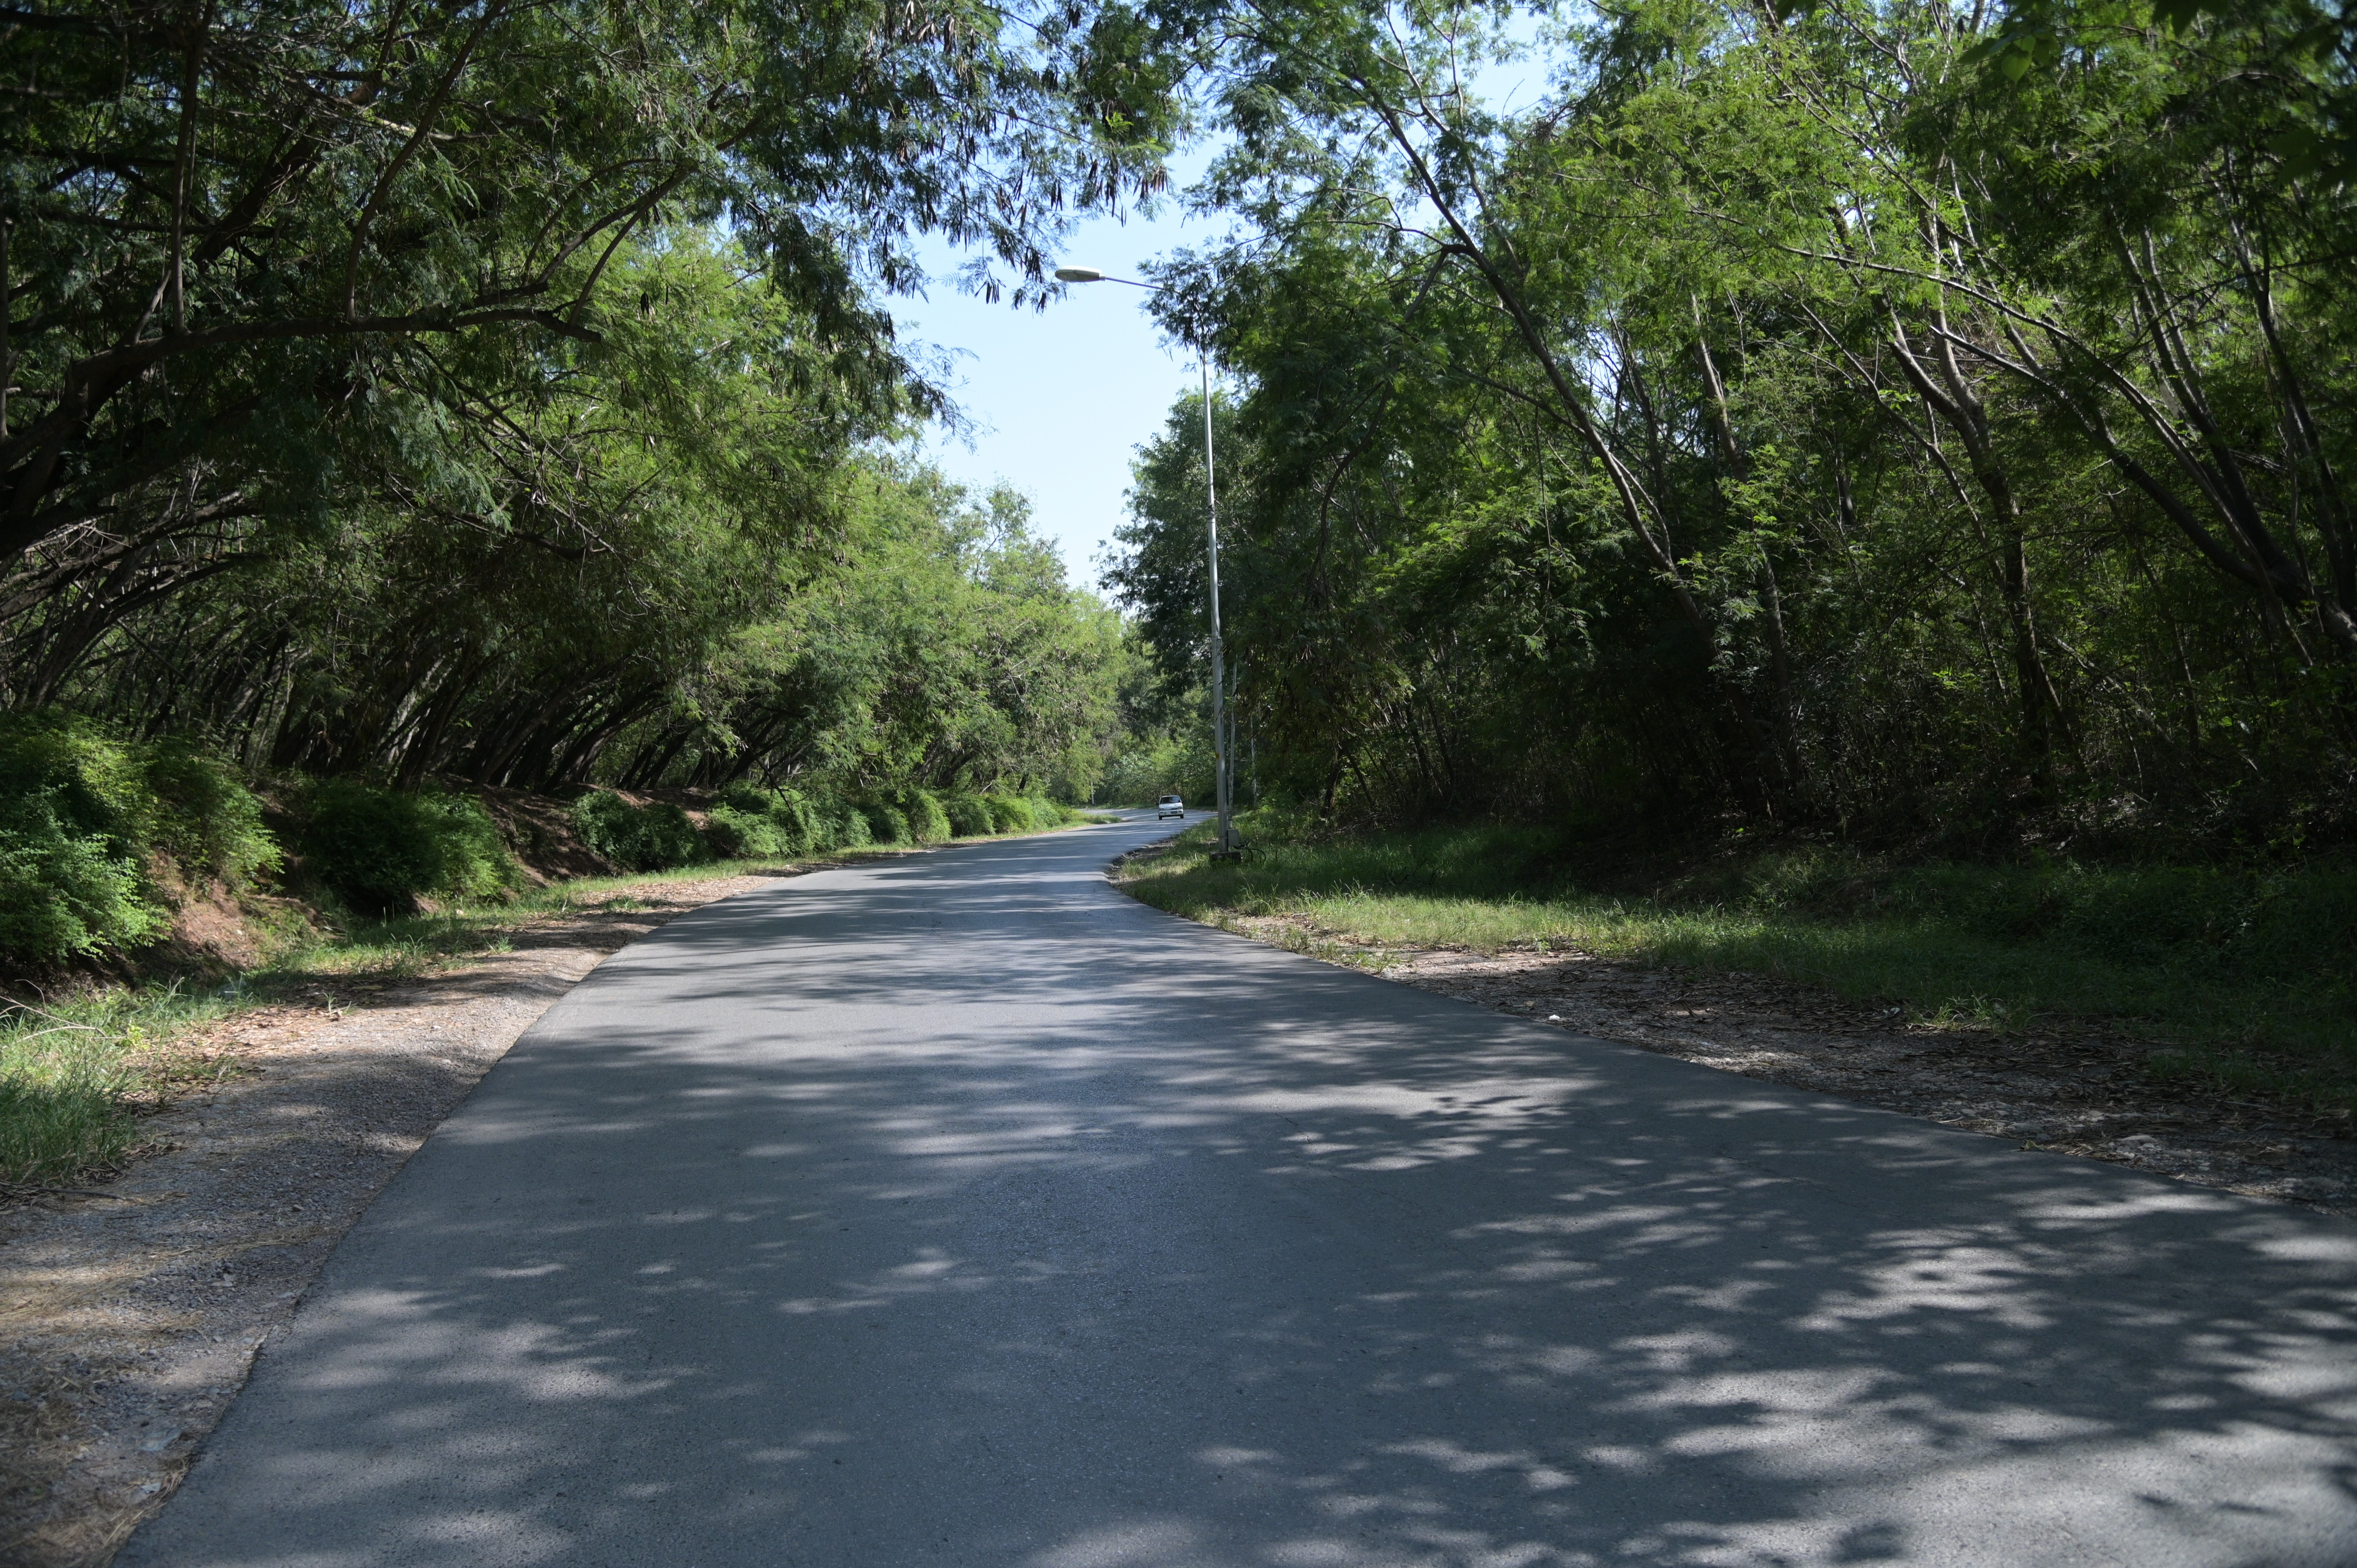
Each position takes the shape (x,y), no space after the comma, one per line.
(72,1072)
(2247,978)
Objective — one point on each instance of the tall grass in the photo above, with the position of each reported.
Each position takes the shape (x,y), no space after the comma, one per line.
(69,1069)
(2249,974)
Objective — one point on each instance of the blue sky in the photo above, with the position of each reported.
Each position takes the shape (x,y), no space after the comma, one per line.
(1060,398)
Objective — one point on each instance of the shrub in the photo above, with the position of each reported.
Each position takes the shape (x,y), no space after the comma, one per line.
(64,892)
(668,837)
(732,834)
(847,826)
(968,816)
(750,798)
(476,861)
(750,821)
(205,817)
(801,828)
(654,837)
(1008,813)
(81,815)
(95,783)
(928,823)
(381,850)
(885,822)
(608,825)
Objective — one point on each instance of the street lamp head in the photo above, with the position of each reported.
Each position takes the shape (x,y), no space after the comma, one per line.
(1079,274)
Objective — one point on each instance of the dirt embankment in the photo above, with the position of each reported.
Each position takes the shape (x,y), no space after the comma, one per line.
(128,1318)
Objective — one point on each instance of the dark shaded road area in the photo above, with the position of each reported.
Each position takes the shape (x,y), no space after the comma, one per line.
(958,1210)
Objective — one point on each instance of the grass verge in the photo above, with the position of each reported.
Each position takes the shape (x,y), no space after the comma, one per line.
(2246,978)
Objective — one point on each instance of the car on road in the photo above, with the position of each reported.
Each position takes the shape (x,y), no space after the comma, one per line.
(1170,806)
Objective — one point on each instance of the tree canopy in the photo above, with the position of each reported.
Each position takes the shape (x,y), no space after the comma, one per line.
(1905,415)
(472,389)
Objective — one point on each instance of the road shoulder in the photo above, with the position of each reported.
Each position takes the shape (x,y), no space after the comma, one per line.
(2084,1092)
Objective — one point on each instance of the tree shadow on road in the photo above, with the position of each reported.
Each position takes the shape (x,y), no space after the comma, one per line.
(947,1215)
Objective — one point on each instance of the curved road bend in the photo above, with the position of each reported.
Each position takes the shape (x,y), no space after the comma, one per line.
(958,1210)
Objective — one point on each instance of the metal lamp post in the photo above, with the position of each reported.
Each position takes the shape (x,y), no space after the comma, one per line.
(1223,744)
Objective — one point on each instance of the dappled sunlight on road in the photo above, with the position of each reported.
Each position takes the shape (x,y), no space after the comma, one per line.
(963,1179)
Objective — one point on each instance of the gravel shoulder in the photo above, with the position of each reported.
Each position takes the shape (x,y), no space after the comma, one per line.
(129,1317)
(2087,1094)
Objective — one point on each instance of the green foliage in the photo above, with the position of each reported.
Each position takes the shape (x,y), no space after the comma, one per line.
(735,834)
(801,822)
(381,850)
(205,816)
(1154,765)
(74,822)
(921,810)
(752,821)
(750,798)
(1910,425)
(609,826)
(951,653)
(969,815)
(1008,813)
(313,252)
(886,823)
(65,893)
(98,783)
(81,815)
(842,825)
(652,837)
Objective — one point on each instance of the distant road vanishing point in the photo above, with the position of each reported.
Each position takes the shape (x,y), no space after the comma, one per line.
(955,1209)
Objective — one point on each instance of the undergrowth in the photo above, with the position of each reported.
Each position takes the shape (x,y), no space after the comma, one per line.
(2245,977)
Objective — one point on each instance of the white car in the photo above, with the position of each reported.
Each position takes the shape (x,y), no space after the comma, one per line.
(1170,806)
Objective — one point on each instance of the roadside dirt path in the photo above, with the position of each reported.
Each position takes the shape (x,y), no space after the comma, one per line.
(2085,1094)
(128,1320)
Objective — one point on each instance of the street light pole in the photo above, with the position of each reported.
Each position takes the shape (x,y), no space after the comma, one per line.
(1223,748)
(1223,736)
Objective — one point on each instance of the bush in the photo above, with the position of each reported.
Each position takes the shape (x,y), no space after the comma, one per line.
(732,834)
(64,892)
(750,821)
(82,814)
(968,816)
(846,826)
(380,850)
(654,837)
(885,822)
(750,798)
(205,817)
(95,781)
(668,837)
(801,829)
(928,823)
(1008,813)
(608,825)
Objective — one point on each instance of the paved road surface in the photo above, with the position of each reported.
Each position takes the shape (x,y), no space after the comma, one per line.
(956,1210)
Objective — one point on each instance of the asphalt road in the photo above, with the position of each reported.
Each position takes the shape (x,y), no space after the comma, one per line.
(958,1210)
